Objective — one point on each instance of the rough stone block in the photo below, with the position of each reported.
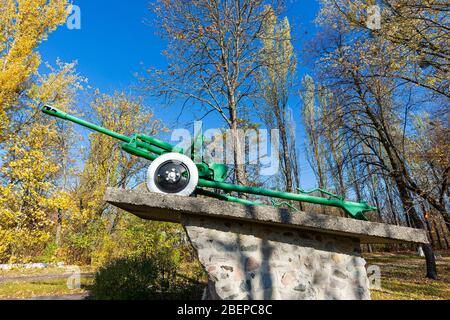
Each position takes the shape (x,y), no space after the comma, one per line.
(276,265)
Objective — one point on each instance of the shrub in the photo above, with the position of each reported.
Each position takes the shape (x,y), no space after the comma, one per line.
(143,278)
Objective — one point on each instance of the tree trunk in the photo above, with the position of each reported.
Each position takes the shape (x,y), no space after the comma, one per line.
(444,232)
(399,174)
(430,261)
(239,168)
(58,228)
(285,153)
(391,203)
(355,181)
(419,224)
(438,236)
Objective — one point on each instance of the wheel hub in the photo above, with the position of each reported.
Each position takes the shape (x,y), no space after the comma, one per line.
(172,176)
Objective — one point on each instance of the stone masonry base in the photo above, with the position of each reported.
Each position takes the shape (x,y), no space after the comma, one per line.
(250,261)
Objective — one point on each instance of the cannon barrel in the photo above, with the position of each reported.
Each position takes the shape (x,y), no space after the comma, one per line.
(146,142)
(54,112)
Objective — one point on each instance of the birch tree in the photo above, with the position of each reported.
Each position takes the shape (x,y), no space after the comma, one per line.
(277,73)
(313,127)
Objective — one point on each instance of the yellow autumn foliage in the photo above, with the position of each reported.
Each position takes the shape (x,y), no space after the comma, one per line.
(35,152)
(23,25)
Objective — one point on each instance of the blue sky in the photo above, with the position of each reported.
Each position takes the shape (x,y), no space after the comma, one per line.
(117,38)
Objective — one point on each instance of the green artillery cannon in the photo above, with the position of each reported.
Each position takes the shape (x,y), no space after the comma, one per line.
(172,172)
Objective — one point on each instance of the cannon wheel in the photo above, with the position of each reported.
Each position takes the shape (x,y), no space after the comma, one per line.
(172,173)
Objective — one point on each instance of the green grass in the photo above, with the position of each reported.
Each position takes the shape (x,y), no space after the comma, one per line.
(41,288)
(403,277)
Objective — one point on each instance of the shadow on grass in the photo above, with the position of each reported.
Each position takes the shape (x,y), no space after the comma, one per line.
(143,279)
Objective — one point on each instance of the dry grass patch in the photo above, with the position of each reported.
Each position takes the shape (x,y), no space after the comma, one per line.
(403,277)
